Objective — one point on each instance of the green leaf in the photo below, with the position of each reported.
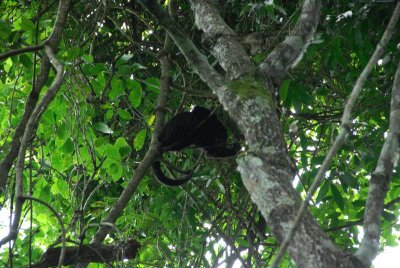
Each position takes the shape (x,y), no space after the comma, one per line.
(117,89)
(63,188)
(112,152)
(283,91)
(124,114)
(112,165)
(73,53)
(68,146)
(115,171)
(349,180)
(87,58)
(99,83)
(100,141)
(24,24)
(337,196)
(135,96)
(102,127)
(26,61)
(109,114)
(153,84)
(54,189)
(123,147)
(139,140)
(323,190)
(4,29)
(62,131)
(151,119)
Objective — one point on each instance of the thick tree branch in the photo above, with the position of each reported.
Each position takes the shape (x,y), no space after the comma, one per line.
(28,133)
(154,149)
(291,50)
(53,42)
(380,179)
(265,168)
(341,137)
(225,43)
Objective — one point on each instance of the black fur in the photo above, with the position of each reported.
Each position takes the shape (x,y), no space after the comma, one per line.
(198,128)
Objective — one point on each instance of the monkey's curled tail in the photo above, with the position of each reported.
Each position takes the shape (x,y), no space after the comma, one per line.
(168,181)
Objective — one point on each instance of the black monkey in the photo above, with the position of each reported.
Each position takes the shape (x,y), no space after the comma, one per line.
(198,128)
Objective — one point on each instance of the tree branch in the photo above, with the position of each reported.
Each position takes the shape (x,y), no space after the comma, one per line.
(265,168)
(61,254)
(151,154)
(28,133)
(288,53)
(225,43)
(18,51)
(341,137)
(53,42)
(380,178)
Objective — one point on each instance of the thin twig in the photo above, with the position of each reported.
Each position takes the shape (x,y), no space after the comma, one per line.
(60,221)
(18,51)
(28,133)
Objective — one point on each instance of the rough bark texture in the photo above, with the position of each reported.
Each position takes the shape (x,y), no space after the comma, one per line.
(288,53)
(266,168)
(223,40)
(380,179)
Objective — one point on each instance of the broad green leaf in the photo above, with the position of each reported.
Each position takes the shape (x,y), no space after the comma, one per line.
(337,196)
(63,188)
(122,146)
(139,139)
(99,83)
(26,61)
(153,84)
(4,29)
(68,147)
(124,114)
(109,114)
(283,91)
(117,89)
(349,180)
(87,58)
(112,152)
(115,171)
(151,119)
(323,190)
(24,24)
(62,131)
(73,53)
(135,96)
(100,141)
(54,189)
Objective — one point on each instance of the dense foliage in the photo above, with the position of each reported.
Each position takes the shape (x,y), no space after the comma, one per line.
(98,128)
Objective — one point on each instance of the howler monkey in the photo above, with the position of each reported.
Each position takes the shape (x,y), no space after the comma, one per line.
(199,128)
